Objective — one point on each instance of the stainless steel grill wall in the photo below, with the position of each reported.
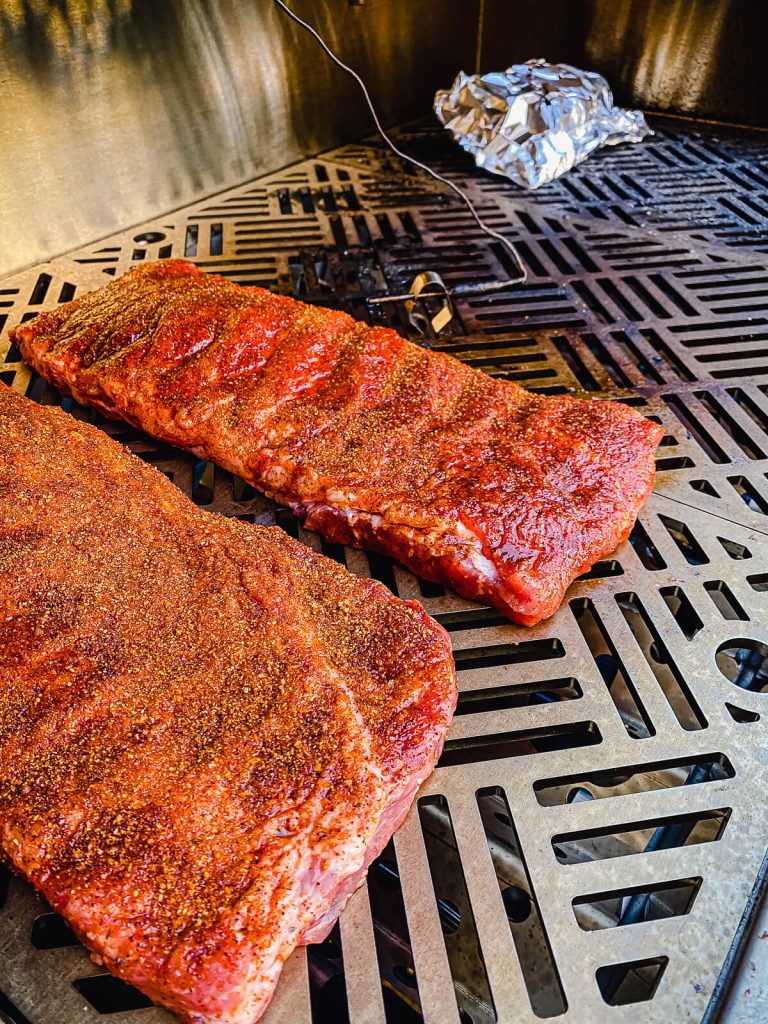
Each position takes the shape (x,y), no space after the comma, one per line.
(703,58)
(113,111)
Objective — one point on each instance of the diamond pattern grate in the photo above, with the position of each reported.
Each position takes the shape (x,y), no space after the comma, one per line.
(588,845)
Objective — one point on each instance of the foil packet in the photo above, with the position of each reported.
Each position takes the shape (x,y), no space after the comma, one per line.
(535,121)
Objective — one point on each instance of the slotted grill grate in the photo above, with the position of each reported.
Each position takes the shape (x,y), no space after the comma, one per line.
(593,834)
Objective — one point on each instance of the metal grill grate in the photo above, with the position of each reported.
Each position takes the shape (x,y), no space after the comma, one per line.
(595,830)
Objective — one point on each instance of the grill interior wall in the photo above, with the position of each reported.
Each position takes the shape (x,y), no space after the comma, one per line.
(115,111)
(695,57)
(592,835)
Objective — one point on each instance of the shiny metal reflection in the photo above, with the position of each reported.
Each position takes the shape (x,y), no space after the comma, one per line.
(535,121)
(113,111)
(705,58)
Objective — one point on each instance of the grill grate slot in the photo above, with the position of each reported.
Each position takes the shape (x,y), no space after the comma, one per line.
(473,994)
(651,903)
(641,837)
(633,982)
(521,905)
(642,778)
(108,995)
(682,610)
(660,661)
(613,671)
(518,744)
(400,984)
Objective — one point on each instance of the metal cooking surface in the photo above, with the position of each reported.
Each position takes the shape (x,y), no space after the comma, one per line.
(588,846)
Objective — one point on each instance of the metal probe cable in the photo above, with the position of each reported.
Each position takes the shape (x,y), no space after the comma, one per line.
(404,156)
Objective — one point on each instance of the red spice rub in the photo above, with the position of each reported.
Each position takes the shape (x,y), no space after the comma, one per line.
(504,495)
(206,730)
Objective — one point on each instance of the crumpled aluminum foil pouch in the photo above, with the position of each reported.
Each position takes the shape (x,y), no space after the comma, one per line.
(535,121)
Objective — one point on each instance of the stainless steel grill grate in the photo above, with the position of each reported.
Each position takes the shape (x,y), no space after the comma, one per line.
(588,847)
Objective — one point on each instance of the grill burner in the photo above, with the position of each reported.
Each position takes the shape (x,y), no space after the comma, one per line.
(616,869)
